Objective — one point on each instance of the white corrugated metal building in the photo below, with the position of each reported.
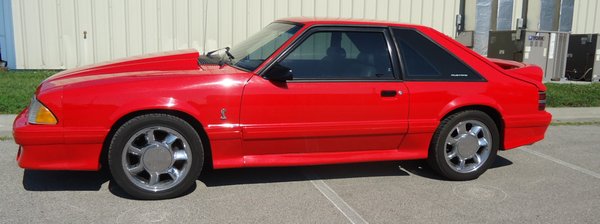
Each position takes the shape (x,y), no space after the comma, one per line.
(56,34)
(586,15)
(59,34)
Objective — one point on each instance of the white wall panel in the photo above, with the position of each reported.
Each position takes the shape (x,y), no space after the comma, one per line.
(358,9)
(281,9)
(405,11)
(118,31)
(381,10)
(586,14)
(134,26)
(68,36)
(320,8)
(333,8)
(346,8)
(308,8)
(370,9)
(49,34)
(416,15)
(49,26)
(427,18)
(150,31)
(437,17)
(253,17)
(294,8)
(102,26)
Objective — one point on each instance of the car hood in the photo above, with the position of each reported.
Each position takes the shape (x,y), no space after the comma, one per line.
(181,62)
(165,61)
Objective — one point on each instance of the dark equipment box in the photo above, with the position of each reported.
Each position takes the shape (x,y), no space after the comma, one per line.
(506,44)
(547,49)
(583,58)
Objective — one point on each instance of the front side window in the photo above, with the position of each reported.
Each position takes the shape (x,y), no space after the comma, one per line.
(252,52)
(341,55)
(425,60)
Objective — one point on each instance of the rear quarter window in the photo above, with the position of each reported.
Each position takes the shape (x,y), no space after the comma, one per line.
(425,60)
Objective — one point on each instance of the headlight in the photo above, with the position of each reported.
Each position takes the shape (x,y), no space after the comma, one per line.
(40,114)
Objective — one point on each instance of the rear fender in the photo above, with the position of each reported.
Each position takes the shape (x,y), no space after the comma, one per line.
(468,101)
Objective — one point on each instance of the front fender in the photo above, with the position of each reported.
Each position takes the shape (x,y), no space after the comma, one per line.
(158,103)
(97,107)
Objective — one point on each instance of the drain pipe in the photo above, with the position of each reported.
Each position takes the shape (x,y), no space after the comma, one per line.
(483,24)
(460,18)
(3,63)
(523,23)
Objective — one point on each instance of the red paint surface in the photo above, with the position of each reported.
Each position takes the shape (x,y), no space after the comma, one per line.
(271,124)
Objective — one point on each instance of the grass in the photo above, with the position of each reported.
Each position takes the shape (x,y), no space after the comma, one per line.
(17,88)
(573,95)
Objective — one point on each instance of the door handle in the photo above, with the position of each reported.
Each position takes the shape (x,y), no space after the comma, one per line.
(388,93)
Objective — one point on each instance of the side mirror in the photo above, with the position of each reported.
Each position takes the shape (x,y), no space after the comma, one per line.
(279,73)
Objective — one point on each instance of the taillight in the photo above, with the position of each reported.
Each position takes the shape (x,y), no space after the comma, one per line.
(542,101)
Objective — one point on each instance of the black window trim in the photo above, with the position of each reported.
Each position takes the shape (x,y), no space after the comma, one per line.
(401,58)
(397,71)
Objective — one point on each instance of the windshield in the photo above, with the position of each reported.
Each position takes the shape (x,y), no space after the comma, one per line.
(250,53)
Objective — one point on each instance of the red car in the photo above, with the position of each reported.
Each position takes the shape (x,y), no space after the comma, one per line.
(299,92)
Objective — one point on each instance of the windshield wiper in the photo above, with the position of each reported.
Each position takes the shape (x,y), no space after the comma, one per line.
(229,55)
(221,61)
(212,52)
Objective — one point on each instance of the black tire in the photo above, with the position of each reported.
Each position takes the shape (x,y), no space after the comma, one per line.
(127,131)
(438,145)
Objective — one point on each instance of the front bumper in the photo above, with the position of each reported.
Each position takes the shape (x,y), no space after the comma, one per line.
(44,147)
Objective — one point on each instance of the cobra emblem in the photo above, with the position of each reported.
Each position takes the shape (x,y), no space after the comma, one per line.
(223,115)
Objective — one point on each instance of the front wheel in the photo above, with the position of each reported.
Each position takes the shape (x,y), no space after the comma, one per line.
(464,146)
(155,156)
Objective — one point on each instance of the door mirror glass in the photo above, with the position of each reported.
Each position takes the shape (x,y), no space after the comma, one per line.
(279,73)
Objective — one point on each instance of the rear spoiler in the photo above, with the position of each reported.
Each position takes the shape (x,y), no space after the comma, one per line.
(521,71)
(526,72)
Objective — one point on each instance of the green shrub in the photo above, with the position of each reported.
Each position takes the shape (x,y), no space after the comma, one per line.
(17,88)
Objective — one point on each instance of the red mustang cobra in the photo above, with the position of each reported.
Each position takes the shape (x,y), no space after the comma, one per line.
(299,92)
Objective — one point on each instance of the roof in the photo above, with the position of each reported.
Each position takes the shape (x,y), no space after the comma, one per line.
(339,21)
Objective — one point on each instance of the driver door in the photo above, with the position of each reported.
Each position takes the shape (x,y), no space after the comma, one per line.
(345,96)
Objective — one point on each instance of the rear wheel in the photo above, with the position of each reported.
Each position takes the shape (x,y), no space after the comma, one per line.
(155,156)
(464,146)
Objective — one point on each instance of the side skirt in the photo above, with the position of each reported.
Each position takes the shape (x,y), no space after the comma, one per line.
(307,159)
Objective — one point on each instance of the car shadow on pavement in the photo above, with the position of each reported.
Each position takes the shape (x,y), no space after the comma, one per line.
(212,178)
(49,180)
(422,169)
(119,192)
(35,180)
(43,180)
(226,177)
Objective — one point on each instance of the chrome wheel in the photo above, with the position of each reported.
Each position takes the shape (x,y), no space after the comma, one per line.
(156,158)
(468,146)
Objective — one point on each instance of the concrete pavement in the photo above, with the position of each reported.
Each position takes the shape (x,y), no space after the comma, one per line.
(559,115)
(556,180)
(6,121)
(575,114)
